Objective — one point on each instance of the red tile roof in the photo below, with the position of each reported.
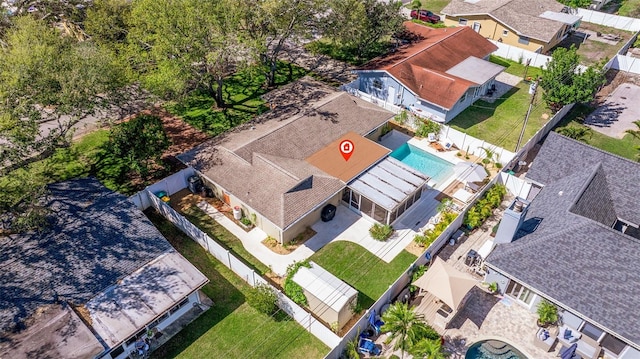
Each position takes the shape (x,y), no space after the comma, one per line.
(421,66)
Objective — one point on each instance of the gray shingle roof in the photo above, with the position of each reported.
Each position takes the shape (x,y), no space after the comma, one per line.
(95,238)
(567,249)
(261,166)
(523,16)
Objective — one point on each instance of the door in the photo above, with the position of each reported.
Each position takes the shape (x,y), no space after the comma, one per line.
(476,26)
(391,95)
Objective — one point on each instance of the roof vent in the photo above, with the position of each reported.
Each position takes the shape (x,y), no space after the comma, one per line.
(560,193)
(517,207)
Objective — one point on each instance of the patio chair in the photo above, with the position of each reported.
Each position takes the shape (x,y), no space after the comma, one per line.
(431,137)
(367,346)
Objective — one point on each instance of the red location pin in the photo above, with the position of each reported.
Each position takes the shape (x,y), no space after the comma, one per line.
(346,149)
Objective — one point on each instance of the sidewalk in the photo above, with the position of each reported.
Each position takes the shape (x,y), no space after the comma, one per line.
(346,226)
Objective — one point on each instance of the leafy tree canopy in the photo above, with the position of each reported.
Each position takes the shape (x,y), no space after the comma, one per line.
(361,24)
(576,3)
(564,83)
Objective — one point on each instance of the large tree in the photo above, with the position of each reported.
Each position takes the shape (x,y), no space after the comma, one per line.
(269,24)
(362,24)
(565,83)
(574,4)
(106,21)
(406,327)
(178,46)
(48,83)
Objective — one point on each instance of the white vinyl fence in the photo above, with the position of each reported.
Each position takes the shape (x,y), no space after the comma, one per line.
(476,146)
(515,53)
(516,186)
(615,21)
(301,316)
(171,185)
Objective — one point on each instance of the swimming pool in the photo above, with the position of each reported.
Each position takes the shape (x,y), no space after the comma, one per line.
(493,349)
(433,166)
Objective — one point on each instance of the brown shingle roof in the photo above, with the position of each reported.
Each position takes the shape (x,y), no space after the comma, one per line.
(268,171)
(422,65)
(365,154)
(523,16)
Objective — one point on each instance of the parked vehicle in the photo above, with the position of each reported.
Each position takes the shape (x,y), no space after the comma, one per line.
(425,15)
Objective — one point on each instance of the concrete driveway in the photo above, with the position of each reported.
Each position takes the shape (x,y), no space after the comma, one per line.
(617,113)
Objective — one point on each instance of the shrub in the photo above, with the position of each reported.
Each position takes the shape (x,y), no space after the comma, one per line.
(263,298)
(291,288)
(430,235)
(547,313)
(485,206)
(381,232)
(246,221)
(426,127)
(417,273)
(402,117)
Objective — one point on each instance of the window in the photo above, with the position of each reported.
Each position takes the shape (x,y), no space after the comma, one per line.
(523,40)
(505,32)
(380,214)
(377,84)
(117,351)
(462,21)
(591,331)
(463,98)
(346,195)
(366,206)
(520,292)
(613,344)
(180,305)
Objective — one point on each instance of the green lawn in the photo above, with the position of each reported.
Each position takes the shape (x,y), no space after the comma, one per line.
(231,328)
(500,123)
(361,269)
(629,8)
(625,147)
(515,68)
(434,5)
(220,234)
(241,92)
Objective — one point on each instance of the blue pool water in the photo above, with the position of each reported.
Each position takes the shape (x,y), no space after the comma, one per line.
(433,166)
(493,349)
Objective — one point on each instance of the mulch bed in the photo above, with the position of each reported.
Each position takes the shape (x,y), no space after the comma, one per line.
(300,239)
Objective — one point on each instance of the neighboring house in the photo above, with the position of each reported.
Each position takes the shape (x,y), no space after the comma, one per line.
(532,25)
(577,244)
(284,170)
(93,282)
(437,76)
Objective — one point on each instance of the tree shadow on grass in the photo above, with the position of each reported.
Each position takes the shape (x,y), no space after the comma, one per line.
(480,111)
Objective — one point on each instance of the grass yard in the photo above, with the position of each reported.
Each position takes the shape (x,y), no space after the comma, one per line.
(515,68)
(220,234)
(361,269)
(629,8)
(500,123)
(231,328)
(242,93)
(626,147)
(434,5)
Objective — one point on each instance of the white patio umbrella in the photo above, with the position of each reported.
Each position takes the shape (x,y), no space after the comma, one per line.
(446,283)
(470,172)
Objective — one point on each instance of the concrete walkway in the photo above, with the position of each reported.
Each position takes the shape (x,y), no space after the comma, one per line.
(346,226)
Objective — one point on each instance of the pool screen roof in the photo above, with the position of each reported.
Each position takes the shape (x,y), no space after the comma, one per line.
(389,183)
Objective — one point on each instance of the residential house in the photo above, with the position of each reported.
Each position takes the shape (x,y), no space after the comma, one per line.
(437,76)
(532,25)
(577,244)
(284,169)
(95,281)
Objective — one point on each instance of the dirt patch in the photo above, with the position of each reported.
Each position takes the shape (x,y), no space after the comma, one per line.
(615,78)
(415,249)
(184,199)
(298,241)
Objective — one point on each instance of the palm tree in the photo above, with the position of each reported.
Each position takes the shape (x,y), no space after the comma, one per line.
(576,132)
(636,135)
(415,5)
(406,327)
(428,349)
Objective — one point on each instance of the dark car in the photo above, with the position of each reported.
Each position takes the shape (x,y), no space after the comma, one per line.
(425,15)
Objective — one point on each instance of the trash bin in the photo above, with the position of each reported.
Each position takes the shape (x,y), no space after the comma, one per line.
(195,184)
(328,212)
(237,213)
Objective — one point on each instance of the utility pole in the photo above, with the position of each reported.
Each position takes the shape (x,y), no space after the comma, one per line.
(526,68)
(532,88)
